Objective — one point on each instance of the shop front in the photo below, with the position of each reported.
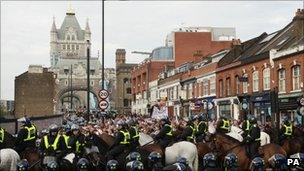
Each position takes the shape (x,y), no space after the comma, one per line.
(288,105)
(228,107)
(261,106)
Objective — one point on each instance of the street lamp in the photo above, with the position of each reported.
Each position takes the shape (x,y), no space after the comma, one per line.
(88,78)
(71,87)
(208,106)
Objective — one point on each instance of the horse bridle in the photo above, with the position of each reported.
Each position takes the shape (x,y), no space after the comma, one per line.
(219,152)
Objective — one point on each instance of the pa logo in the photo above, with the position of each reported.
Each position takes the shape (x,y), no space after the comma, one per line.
(293,162)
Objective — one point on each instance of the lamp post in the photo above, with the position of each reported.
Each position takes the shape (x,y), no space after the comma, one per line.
(206,102)
(88,78)
(71,88)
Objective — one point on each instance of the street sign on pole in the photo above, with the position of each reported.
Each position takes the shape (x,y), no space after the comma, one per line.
(103,104)
(103,94)
(302,101)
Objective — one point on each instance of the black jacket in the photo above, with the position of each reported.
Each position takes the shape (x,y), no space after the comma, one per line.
(254,133)
(163,133)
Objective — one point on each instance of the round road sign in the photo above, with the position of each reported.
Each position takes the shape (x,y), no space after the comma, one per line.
(245,105)
(103,104)
(103,94)
(302,101)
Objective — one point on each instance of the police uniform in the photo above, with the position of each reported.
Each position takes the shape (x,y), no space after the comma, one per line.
(134,137)
(188,133)
(245,127)
(52,145)
(223,126)
(164,136)
(286,131)
(67,147)
(253,140)
(26,137)
(122,143)
(201,130)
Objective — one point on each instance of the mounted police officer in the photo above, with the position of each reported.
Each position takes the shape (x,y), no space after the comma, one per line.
(190,131)
(66,135)
(253,138)
(4,142)
(77,141)
(246,126)
(134,134)
(286,131)
(27,135)
(223,125)
(122,141)
(202,128)
(165,134)
(51,144)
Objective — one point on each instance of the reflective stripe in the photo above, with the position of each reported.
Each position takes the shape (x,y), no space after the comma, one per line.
(31,133)
(197,128)
(258,139)
(136,132)
(170,132)
(54,145)
(1,135)
(248,125)
(126,137)
(192,135)
(288,129)
(226,124)
(78,145)
(66,140)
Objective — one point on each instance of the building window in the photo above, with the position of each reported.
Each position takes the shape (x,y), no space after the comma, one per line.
(221,88)
(296,77)
(205,87)
(237,85)
(228,86)
(77,47)
(66,82)
(73,47)
(63,47)
(68,47)
(245,84)
(73,37)
(171,93)
(255,81)
(126,102)
(129,90)
(266,78)
(68,37)
(282,74)
(190,91)
(92,83)
(212,85)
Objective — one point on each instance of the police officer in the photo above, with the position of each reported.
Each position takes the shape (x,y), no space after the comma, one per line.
(77,141)
(246,126)
(253,138)
(155,162)
(51,144)
(201,128)
(165,134)
(4,141)
(134,134)
(189,132)
(122,141)
(223,125)
(65,133)
(27,135)
(286,131)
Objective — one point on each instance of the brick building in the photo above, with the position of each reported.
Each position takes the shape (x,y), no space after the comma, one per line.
(246,73)
(35,92)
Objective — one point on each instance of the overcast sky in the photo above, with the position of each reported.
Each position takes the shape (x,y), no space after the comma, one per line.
(134,25)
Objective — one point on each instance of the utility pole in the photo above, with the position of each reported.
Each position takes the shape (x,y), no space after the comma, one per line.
(88,78)
(71,87)
(102,55)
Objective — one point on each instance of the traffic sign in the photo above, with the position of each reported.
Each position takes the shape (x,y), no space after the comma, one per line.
(302,101)
(103,94)
(103,104)
(210,105)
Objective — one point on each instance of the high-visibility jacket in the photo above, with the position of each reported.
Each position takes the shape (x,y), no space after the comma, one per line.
(55,143)
(126,139)
(226,124)
(288,129)
(170,132)
(67,140)
(247,125)
(31,132)
(2,135)
(191,137)
(136,132)
(78,146)
(199,124)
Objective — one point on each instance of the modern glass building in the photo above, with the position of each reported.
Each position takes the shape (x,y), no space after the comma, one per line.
(163,53)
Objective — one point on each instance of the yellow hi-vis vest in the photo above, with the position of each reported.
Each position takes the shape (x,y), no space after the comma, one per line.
(31,133)
(66,140)
(288,129)
(126,139)
(136,132)
(55,143)
(199,124)
(170,132)
(1,135)
(248,125)
(191,137)
(226,124)
(78,145)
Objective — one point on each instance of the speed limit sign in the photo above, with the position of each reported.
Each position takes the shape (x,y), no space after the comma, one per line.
(103,94)
(103,104)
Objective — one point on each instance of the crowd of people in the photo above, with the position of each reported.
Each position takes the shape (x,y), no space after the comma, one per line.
(80,136)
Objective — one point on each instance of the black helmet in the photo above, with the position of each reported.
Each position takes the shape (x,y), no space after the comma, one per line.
(23,165)
(53,128)
(182,160)
(154,157)
(202,117)
(137,165)
(180,167)
(209,160)
(253,119)
(278,161)
(230,160)
(112,165)
(257,164)
(52,166)
(134,156)
(82,164)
